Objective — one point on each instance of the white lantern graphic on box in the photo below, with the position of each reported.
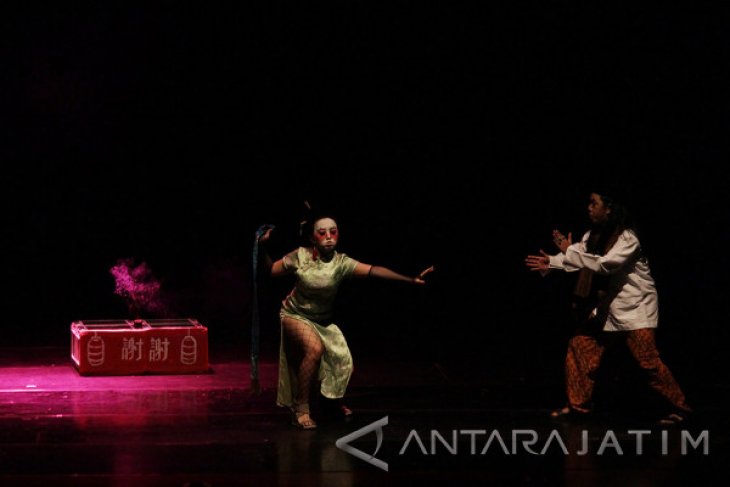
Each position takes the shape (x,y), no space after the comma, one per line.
(95,351)
(189,350)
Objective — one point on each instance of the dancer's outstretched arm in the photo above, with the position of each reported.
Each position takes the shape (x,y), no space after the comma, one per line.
(367,270)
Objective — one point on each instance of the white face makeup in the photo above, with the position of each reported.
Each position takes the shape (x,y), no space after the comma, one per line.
(325,233)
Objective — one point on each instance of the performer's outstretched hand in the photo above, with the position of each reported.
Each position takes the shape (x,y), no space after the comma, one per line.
(561,241)
(265,237)
(538,262)
(419,278)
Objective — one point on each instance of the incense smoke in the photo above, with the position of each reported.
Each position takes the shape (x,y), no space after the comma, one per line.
(139,288)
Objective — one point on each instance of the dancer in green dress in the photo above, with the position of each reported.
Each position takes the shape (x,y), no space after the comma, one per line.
(311,345)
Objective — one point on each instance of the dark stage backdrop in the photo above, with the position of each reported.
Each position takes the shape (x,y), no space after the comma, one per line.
(455,136)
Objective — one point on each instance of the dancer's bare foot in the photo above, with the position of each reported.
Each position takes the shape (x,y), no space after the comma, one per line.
(303,421)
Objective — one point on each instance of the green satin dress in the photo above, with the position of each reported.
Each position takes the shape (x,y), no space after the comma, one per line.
(312,301)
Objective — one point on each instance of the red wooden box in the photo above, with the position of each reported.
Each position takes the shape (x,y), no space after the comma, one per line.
(126,347)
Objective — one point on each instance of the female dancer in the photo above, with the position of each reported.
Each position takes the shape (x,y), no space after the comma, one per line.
(311,345)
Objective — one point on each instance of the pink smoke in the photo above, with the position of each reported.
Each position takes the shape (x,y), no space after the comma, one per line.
(139,288)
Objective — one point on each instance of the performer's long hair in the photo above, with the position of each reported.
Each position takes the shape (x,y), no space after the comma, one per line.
(591,287)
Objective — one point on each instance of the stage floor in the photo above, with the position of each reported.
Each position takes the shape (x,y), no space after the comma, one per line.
(445,425)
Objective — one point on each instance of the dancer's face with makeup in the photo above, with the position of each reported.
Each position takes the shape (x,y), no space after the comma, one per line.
(325,235)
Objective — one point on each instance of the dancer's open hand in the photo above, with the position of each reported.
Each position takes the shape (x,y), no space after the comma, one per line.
(419,278)
(538,262)
(561,241)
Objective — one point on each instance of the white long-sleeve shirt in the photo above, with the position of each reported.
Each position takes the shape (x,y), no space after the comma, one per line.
(632,291)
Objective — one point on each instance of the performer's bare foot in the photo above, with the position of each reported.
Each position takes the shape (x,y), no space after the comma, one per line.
(345,410)
(560,413)
(303,421)
(673,419)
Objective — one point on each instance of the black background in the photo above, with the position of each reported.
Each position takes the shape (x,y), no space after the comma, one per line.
(457,135)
